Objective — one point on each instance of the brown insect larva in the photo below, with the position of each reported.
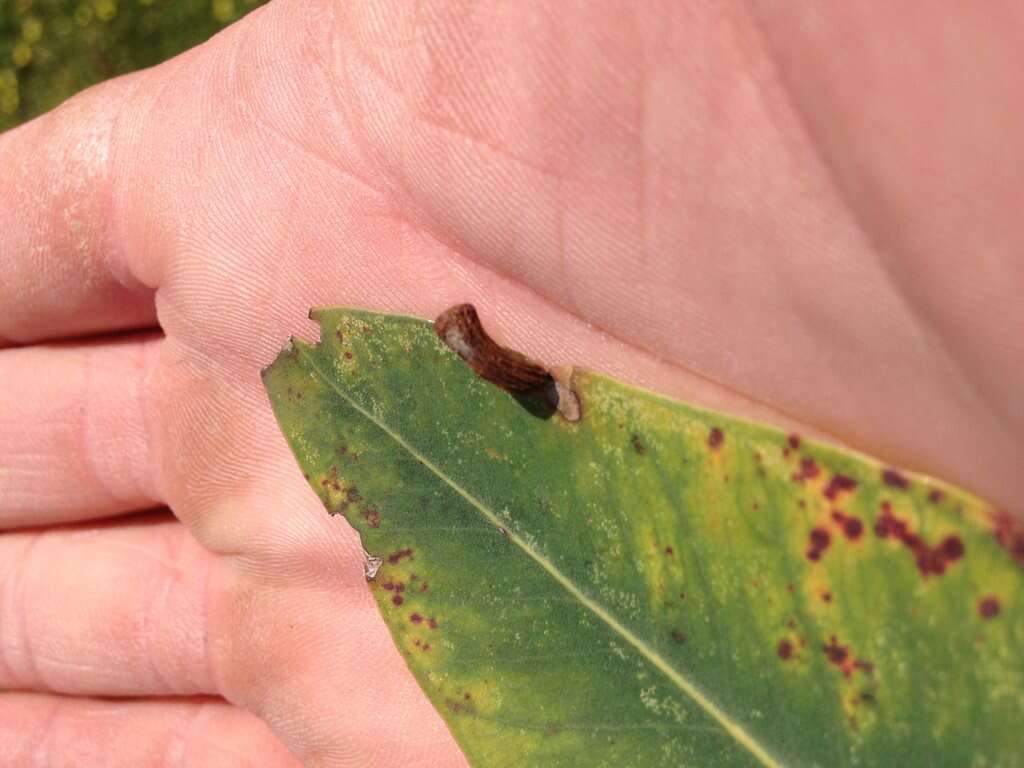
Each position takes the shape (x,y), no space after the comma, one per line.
(459,327)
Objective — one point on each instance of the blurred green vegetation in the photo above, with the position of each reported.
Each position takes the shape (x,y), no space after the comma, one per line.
(49,49)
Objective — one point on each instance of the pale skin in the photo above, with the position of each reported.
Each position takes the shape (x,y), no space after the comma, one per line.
(809,216)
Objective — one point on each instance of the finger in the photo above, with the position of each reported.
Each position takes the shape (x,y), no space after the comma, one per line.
(105,610)
(75,431)
(40,729)
(61,274)
(141,609)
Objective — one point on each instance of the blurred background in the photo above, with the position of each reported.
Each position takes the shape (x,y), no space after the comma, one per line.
(49,49)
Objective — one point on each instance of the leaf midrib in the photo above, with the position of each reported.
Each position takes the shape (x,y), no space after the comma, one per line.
(689,688)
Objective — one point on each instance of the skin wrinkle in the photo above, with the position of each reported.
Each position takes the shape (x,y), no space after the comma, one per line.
(148,400)
(275,133)
(142,627)
(434,123)
(177,548)
(210,665)
(92,427)
(41,752)
(112,257)
(6,665)
(901,285)
(129,117)
(177,744)
(198,731)
(969,381)
(924,321)
(16,612)
(202,729)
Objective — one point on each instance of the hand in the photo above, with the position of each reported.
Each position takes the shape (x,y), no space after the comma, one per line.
(806,216)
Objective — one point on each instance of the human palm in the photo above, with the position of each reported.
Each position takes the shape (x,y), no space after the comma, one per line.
(808,217)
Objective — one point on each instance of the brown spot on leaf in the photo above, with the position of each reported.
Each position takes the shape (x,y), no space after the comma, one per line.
(851,526)
(679,636)
(785,650)
(834,652)
(1009,532)
(638,445)
(809,469)
(894,479)
(931,561)
(952,548)
(348,355)
(459,706)
(817,542)
(372,517)
(416,618)
(432,622)
(989,607)
(794,441)
(400,555)
(935,496)
(715,438)
(669,551)
(839,484)
(840,656)
(397,599)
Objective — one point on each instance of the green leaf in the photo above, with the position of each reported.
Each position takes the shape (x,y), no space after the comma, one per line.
(655,585)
